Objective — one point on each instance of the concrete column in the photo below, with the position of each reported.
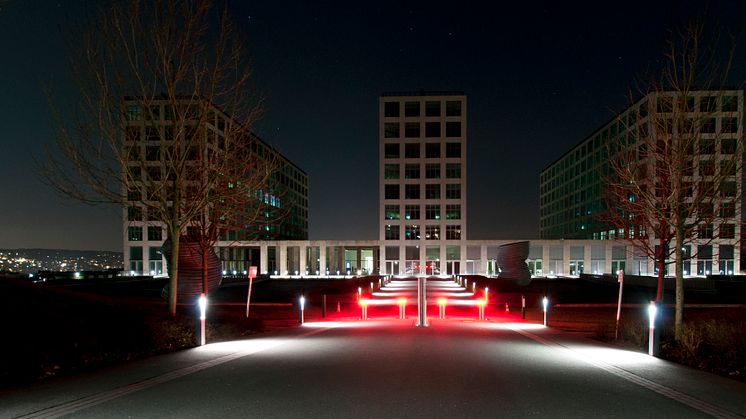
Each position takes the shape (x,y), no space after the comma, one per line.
(382,260)
(303,262)
(483,259)
(545,259)
(263,258)
(322,258)
(282,256)
(443,257)
(565,269)
(402,258)
(462,257)
(607,256)
(423,261)
(587,258)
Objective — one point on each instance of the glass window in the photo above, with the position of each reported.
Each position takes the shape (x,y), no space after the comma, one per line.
(728,189)
(453,108)
(432,150)
(453,232)
(391,130)
(412,109)
(727,209)
(391,109)
(432,212)
(432,129)
(135,252)
(706,168)
(152,153)
(708,126)
(134,234)
(705,231)
(391,191)
(728,145)
(391,151)
(453,129)
(432,108)
(155,233)
(412,151)
(412,171)
(392,232)
(453,170)
(453,191)
(730,103)
(729,125)
(728,167)
(707,104)
(391,212)
(411,212)
(133,113)
(412,130)
(453,212)
(411,191)
(432,232)
(391,171)
(432,191)
(432,171)
(154,253)
(706,146)
(453,150)
(727,231)
(134,214)
(412,232)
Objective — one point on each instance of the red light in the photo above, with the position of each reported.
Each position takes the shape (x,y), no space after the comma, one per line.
(482,302)
(402,301)
(442,301)
(363,302)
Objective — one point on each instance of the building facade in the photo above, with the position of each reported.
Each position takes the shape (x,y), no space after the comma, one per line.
(422,181)
(572,188)
(152,127)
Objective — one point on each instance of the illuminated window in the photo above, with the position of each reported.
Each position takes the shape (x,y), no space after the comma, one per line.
(432,232)
(453,232)
(453,212)
(133,113)
(412,212)
(392,232)
(134,234)
(412,232)
(391,212)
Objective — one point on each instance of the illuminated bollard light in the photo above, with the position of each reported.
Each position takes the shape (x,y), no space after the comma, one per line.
(302,308)
(480,305)
(545,305)
(487,294)
(442,308)
(523,307)
(202,302)
(402,308)
(359,293)
(507,308)
(363,309)
(653,345)
(473,286)
(339,307)
(371,286)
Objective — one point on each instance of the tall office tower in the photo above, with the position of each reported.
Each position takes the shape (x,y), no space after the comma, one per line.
(422,173)
(572,188)
(155,130)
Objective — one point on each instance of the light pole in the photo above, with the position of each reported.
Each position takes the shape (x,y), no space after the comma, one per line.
(202,317)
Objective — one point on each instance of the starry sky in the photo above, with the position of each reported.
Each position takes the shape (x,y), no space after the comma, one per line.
(539,77)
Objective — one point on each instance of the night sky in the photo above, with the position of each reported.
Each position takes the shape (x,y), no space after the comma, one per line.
(538,78)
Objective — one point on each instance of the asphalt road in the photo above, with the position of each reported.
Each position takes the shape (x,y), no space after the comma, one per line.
(389,368)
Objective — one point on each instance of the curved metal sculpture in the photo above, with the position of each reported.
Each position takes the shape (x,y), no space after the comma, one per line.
(190,269)
(512,261)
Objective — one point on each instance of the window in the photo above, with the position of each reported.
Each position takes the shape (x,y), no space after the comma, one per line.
(727,231)
(728,189)
(391,151)
(152,153)
(705,231)
(133,113)
(664,104)
(135,252)
(152,134)
(706,168)
(432,129)
(391,130)
(728,146)
(706,146)
(432,232)
(453,232)
(391,192)
(432,191)
(412,171)
(392,232)
(391,212)
(453,150)
(727,209)
(432,171)
(453,170)
(730,103)
(708,126)
(432,212)
(412,109)
(453,108)
(411,212)
(728,167)
(154,173)
(432,108)
(391,171)
(134,214)
(412,232)
(411,191)
(453,191)
(412,130)
(453,212)
(453,129)
(705,210)
(155,233)
(412,151)
(134,234)
(707,104)
(391,109)
(729,125)
(154,253)
(432,150)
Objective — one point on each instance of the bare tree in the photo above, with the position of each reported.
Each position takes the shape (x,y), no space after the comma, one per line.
(157,81)
(674,176)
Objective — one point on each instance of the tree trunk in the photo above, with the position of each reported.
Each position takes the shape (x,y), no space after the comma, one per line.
(679,311)
(661,261)
(205,248)
(173,274)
